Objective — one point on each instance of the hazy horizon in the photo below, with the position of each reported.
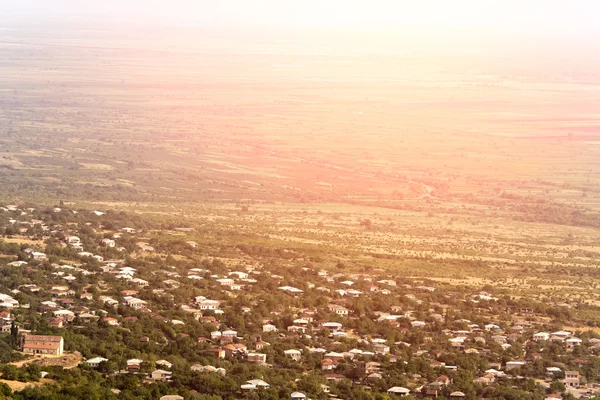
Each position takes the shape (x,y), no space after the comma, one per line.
(558,19)
(547,38)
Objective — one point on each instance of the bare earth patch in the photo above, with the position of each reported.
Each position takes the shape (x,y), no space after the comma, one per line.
(17,386)
(67,361)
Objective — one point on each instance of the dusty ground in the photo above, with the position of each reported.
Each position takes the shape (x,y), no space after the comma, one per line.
(18,386)
(67,361)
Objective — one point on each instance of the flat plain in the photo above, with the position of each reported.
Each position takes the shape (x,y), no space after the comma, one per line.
(489,168)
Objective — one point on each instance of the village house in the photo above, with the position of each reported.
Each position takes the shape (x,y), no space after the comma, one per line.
(572,379)
(228,336)
(500,339)
(206,304)
(171,397)
(108,243)
(20,264)
(111,321)
(294,354)
(297,329)
(510,365)
(247,387)
(372,366)
(353,293)
(235,350)
(573,342)
(5,321)
(134,302)
(261,345)
(217,352)
(398,391)
(43,344)
(87,317)
(327,364)
(553,371)
(94,362)
(108,300)
(134,364)
(418,324)
(258,358)
(571,383)
(254,384)
(560,335)
(208,368)
(307,315)
(164,364)
(36,255)
(7,301)
(161,375)
(335,357)
(291,290)
(332,326)
(127,271)
(61,291)
(339,310)
(65,315)
(541,336)
(139,282)
(73,240)
(171,283)
(381,348)
(233,286)
(146,247)
(259,383)
(68,303)
(239,274)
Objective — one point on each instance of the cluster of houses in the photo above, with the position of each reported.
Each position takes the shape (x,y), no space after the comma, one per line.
(416,314)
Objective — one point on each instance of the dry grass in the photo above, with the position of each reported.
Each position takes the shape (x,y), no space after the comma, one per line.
(582,329)
(24,240)
(66,360)
(17,386)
